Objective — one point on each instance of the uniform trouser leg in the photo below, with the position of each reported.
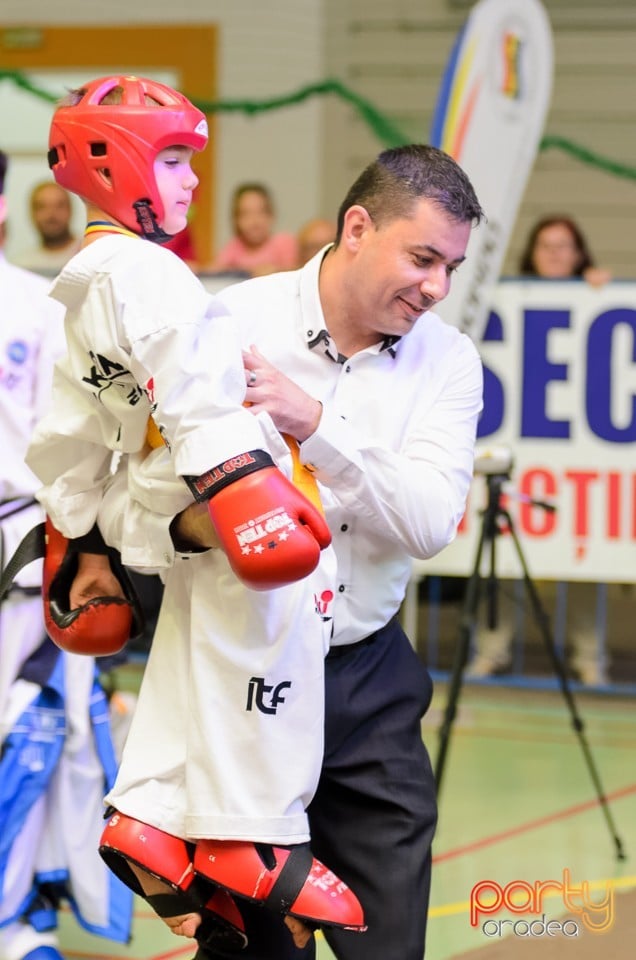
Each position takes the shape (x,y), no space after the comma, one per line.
(373,816)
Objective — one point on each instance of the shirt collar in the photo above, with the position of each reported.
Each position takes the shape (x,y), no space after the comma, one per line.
(315,330)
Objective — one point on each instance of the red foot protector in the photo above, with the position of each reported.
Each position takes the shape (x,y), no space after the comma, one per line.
(163,855)
(98,628)
(168,858)
(284,879)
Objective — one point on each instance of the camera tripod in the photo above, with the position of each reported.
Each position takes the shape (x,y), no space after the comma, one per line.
(494,517)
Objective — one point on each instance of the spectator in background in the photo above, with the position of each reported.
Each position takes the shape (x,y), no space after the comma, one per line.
(312,237)
(51,214)
(556,249)
(255,249)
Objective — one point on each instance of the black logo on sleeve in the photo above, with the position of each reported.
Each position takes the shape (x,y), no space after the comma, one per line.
(258,692)
(105,373)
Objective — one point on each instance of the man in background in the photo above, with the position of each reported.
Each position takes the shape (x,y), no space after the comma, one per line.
(51,213)
(313,236)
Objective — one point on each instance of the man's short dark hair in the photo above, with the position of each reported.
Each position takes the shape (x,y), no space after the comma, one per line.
(390,186)
(4,162)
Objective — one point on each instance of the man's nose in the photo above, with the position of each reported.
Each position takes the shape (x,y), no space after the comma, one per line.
(436,283)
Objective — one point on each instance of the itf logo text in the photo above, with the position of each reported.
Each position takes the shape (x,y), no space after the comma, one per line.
(488,900)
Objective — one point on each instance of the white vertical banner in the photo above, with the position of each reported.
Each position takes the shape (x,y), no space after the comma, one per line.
(490,115)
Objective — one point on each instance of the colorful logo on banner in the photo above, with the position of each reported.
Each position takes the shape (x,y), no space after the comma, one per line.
(512,47)
(488,898)
(490,114)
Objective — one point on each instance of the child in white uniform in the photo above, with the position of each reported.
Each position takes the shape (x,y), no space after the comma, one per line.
(144,338)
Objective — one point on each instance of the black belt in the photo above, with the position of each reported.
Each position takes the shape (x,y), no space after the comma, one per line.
(342,649)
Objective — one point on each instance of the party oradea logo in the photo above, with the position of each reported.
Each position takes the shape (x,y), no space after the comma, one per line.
(489,899)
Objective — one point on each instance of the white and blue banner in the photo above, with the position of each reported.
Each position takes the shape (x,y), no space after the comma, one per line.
(490,115)
(560,394)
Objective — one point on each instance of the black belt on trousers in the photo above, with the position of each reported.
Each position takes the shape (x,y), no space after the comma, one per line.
(341,650)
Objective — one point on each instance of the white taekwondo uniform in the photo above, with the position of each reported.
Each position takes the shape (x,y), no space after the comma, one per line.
(235,675)
(54,762)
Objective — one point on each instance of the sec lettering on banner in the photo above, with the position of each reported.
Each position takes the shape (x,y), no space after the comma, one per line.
(609,400)
(602,350)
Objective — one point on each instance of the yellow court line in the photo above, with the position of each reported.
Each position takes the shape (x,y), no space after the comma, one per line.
(463,906)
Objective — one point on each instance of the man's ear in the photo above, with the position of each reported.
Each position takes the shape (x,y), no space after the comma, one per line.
(355,224)
(3,208)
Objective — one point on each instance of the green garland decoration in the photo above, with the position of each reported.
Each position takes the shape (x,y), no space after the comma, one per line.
(385,131)
(382,127)
(19,80)
(588,156)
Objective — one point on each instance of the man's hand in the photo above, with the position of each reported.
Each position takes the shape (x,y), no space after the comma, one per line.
(292,410)
(94,578)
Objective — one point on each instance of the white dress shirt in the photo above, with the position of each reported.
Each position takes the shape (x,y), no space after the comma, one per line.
(394,447)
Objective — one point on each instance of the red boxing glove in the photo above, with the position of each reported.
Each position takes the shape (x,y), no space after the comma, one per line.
(100,627)
(270,531)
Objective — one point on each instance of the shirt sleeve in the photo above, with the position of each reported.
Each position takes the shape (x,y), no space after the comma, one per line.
(175,352)
(417,495)
(69,455)
(52,348)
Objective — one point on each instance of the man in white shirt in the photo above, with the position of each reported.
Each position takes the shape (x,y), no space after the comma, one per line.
(383,398)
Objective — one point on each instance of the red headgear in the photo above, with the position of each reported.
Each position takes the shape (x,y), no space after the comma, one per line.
(124,138)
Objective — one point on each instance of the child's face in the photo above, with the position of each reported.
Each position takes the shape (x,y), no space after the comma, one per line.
(175,180)
(253,219)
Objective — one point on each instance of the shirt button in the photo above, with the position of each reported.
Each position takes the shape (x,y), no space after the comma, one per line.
(344,527)
(348,368)
(341,588)
(310,333)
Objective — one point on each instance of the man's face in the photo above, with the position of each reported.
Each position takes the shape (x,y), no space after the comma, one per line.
(51,213)
(402,268)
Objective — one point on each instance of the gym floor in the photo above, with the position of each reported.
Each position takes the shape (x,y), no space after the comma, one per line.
(518,802)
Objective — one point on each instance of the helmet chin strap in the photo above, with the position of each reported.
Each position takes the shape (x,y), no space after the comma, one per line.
(147,220)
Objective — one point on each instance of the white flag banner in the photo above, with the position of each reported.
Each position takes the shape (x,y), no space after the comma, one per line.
(489,117)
